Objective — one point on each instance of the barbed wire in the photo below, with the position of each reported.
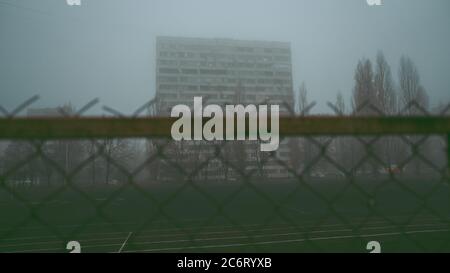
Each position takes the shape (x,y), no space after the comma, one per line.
(311,181)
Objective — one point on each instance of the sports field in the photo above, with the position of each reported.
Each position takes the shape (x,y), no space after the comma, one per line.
(318,216)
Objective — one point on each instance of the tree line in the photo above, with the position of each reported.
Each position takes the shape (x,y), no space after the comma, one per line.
(375,93)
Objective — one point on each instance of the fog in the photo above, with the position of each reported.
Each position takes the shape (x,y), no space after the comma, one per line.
(106,48)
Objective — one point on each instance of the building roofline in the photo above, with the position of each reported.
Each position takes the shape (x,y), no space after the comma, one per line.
(215,39)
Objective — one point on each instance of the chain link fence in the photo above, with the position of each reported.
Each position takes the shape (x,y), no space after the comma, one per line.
(120,184)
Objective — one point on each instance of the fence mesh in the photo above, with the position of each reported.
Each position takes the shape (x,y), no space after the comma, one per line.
(122,185)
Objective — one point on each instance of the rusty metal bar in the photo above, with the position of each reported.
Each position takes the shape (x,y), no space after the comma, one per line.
(87,127)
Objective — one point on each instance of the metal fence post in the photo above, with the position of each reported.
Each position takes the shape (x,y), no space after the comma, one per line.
(448,156)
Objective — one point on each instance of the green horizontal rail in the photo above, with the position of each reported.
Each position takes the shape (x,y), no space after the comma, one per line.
(90,127)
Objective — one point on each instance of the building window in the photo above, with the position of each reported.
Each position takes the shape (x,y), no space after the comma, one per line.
(190,71)
(169,70)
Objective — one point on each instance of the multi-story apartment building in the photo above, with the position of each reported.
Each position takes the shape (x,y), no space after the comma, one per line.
(225,71)
(219,69)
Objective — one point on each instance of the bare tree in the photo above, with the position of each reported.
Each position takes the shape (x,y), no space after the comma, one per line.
(363,91)
(16,154)
(388,148)
(343,146)
(302,100)
(386,96)
(364,99)
(340,103)
(412,92)
(117,151)
(300,148)
(410,86)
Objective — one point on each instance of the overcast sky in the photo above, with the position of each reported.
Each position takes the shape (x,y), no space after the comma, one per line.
(106,48)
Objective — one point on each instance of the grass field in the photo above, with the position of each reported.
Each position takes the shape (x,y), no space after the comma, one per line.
(315,216)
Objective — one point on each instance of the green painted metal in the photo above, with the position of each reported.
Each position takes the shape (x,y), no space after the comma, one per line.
(89,127)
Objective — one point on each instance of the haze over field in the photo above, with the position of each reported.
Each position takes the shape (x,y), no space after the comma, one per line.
(106,48)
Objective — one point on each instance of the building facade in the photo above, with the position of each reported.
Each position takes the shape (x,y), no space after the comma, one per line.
(225,71)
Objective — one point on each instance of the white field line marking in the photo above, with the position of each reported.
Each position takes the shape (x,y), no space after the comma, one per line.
(158,236)
(269,235)
(294,240)
(419,219)
(125,242)
(122,232)
(272,228)
(231,238)
(150,231)
(258,236)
